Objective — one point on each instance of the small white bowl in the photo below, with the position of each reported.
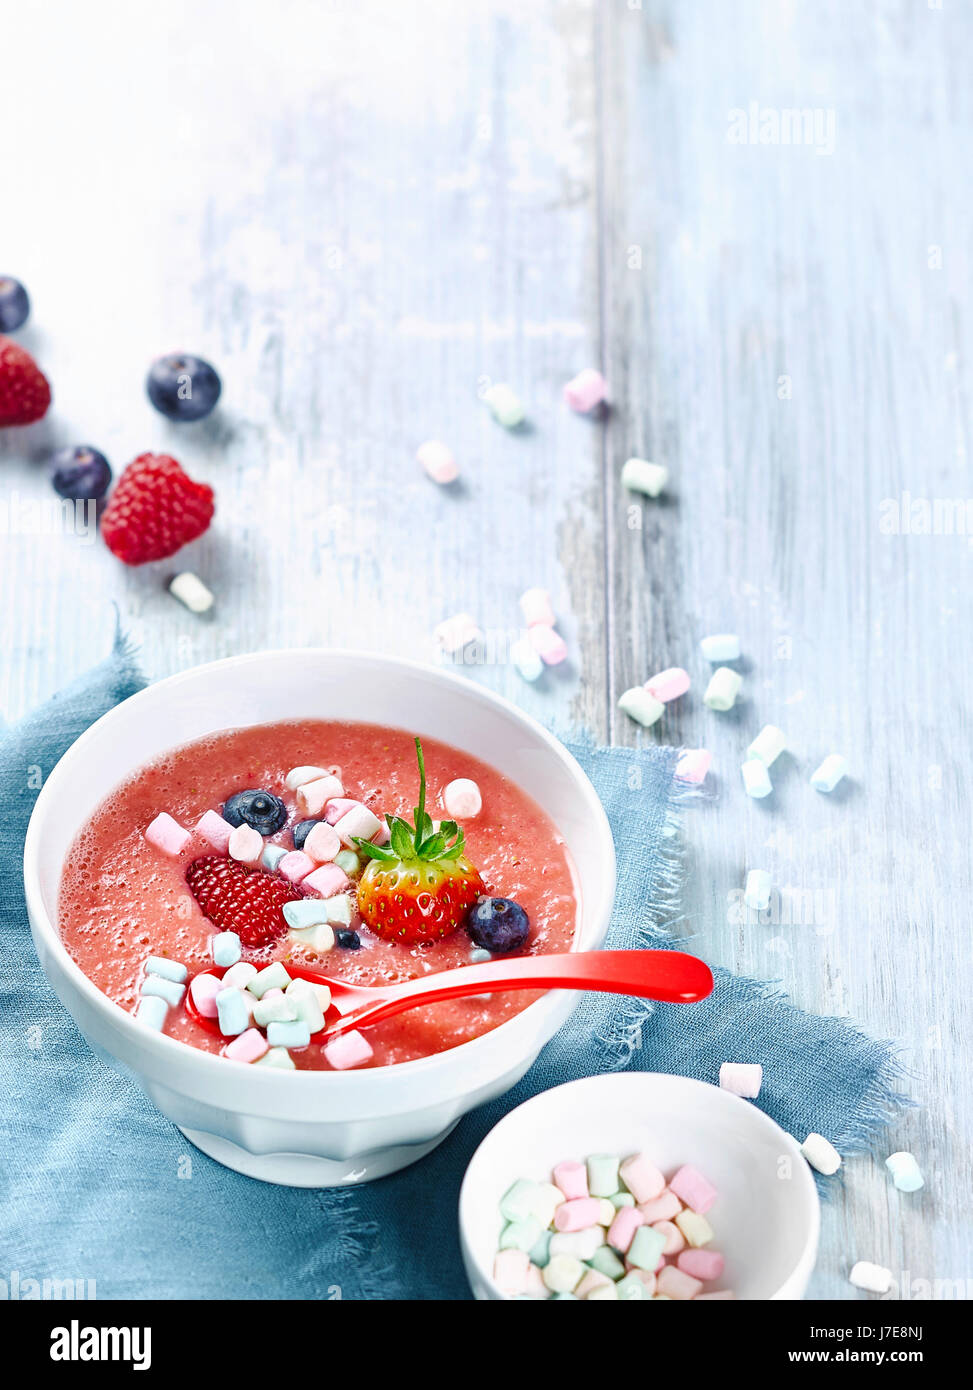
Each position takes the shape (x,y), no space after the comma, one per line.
(319,1128)
(766,1218)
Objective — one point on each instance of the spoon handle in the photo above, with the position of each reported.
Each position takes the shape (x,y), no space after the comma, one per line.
(672,977)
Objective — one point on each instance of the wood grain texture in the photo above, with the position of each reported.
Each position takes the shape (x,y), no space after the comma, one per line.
(362,213)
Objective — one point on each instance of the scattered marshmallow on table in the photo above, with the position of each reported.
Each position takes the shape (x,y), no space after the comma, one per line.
(528,663)
(639,475)
(693,765)
(167,834)
(246,844)
(312,797)
(190,590)
(723,689)
(642,706)
(549,645)
(821,1154)
(357,823)
(348,1050)
(742,1078)
(722,646)
(226,948)
(586,390)
(872,1278)
(669,684)
(756,779)
(826,777)
(215,831)
(536,607)
(505,404)
(905,1171)
(756,893)
(152,1011)
(436,458)
(462,799)
(768,745)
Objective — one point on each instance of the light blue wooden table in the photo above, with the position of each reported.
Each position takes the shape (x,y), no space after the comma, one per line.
(365,212)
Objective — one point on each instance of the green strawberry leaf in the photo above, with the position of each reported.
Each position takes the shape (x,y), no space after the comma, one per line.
(373,851)
(402,843)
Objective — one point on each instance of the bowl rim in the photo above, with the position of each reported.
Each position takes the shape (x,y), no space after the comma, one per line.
(274,1078)
(804,1263)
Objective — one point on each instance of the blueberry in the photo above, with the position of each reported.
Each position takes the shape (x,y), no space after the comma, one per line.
(183,387)
(498,925)
(80,473)
(264,811)
(14,304)
(348,940)
(302,830)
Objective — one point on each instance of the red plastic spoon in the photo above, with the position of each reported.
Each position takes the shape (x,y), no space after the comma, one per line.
(672,977)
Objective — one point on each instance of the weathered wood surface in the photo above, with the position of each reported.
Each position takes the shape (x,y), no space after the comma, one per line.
(364,212)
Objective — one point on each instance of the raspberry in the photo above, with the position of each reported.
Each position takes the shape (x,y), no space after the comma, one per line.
(236,898)
(155,510)
(25,392)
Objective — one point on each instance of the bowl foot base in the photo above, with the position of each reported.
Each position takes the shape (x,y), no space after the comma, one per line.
(307,1170)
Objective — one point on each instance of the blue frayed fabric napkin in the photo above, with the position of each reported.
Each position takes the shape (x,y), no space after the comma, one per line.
(96,1185)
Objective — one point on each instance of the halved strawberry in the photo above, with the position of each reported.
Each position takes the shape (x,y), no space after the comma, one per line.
(421,885)
(240,899)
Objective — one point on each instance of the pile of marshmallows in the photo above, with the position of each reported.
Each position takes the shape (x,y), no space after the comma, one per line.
(542,646)
(609,1230)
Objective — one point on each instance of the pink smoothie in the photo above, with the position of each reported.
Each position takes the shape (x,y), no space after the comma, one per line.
(122,900)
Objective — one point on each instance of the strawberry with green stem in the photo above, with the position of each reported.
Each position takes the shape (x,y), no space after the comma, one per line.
(420,886)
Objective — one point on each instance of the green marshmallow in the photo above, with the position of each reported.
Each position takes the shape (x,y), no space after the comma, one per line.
(540,1252)
(520,1235)
(646,1249)
(274,977)
(621,1199)
(603,1175)
(348,860)
(607,1262)
(518,1201)
(630,1289)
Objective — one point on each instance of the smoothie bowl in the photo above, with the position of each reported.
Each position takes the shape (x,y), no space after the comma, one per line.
(134,891)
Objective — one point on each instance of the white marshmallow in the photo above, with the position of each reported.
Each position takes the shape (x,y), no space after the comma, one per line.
(358,823)
(299,775)
(872,1278)
(246,844)
(829,774)
(457,632)
(526,660)
(723,689)
(462,799)
(756,779)
(506,405)
(723,646)
(641,706)
(438,461)
(638,475)
(768,745)
(821,1155)
(189,589)
(741,1078)
(756,894)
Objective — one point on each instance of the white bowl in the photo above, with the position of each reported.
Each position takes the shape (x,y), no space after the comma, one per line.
(766,1218)
(317,1128)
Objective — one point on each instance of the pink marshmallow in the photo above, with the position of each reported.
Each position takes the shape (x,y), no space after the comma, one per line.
(712,1297)
(348,1050)
(246,844)
(510,1268)
(167,834)
(641,1177)
(204,989)
(691,1187)
(312,797)
(588,389)
(572,1179)
(693,765)
(549,645)
(577,1214)
(676,1284)
(594,1279)
(673,1237)
(536,607)
(701,1264)
(536,1288)
(338,807)
(272,994)
(296,866)
(662,1208)
(438,461)
(322,843)
(622,1230)
(668,685)
(215,831)
(742,1078)
(247,1047)
(648,1279)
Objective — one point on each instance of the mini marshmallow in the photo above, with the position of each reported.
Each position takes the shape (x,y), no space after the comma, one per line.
(225,947)
(756,779)
(602,1174)
(673,1237)
(549,645)
(248,1047)
(310,912)
(312,797)
(724,646)
(605,1261)
(622,1230)
(272,855)
(639,475)
(588,389)
(723,689)
(645,1251)
(436,458)
(215,831)
(826,777)
(273,976)
(510,1271)
(606,1212)
(295,1034)
(348,860)
(302,996)
(167,834)
(154,986)
(675,1284)
(462,799)
(756,894)
(232,1011)
(239,976)
(669,684)
(318,940)
(348,1050)
(246,844)
(300,776)
(631,1289)
(152,1012)
(821,1155)
(622,1199)
(905,1171)
(591,1283)
(578,1213)
(358,823)
(190,590)
(536,607)
(322,843)
(741,1078)
(691,1187)
(666,1206)
(295,866)
(521,1235)
(693,765)
(168,969)
(518,1200)
(274,1007)
(457,632)
(563,1273)
(768,745)
(505,404)
(701,1264)
(528,663)
(326,881)
(479,956)
(572,1179)
(544,1202)
(582,1244)
(337,807)
(642,1178)
(540,1252)
(204,989)
(872,1278)
(277,1057)
(642,706)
